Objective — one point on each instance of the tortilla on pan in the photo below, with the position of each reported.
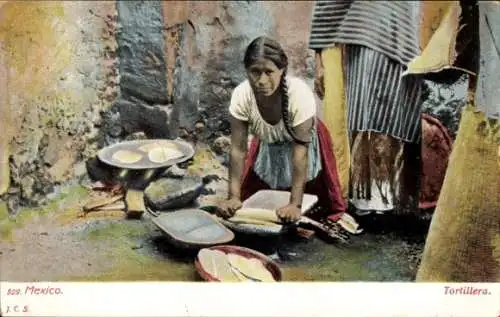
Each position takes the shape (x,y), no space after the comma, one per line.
(153,145)
(162,154)
(126,157)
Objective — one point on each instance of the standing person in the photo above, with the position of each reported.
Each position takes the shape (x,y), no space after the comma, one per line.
(463,244)
(372,112)
(291,148)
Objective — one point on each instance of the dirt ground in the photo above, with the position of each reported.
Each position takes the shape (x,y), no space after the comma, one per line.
(54,244)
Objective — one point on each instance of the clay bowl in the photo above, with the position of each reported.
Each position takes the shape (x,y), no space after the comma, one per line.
(269,264)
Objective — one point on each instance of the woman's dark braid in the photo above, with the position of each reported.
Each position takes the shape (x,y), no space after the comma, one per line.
(284,108)
(284,100)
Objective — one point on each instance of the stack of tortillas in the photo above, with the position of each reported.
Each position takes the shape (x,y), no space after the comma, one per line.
(231,267)
(256,216)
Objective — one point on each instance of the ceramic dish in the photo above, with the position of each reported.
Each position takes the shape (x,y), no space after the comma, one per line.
(192,228)
(269,264)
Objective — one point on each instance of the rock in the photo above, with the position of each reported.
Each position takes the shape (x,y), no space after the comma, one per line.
(99,171)
(137,116)
(27,187)
(13,190)
(59,172)
(136,136)
(112,123)
(80,170)
(199,127)
(175,172)
(207,179)
(55,144)
(13,204)
(142,57)
(184,134)
(172,193)
(222,145)
(200,131)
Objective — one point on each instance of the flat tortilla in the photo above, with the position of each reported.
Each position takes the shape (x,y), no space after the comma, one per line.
(252,221)
(162,154)
(157,144)
(253,268)
(126,157)
(216,263)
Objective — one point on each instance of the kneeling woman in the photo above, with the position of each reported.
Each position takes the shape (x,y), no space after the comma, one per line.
(290,149)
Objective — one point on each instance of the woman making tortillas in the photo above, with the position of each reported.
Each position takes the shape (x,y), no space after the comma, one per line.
(290,149)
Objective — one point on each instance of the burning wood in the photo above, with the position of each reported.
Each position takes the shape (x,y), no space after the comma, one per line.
(115,188)
(107,196)
(99,203)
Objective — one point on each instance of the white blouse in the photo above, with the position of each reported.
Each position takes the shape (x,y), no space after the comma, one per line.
(301,107)
(274,164)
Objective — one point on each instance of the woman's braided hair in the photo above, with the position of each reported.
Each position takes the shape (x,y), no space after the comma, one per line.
(267,48)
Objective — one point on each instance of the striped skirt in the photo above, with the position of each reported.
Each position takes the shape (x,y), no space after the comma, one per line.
(378,98)
(385,129)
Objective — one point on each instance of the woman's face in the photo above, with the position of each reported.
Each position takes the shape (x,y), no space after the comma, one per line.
(264,77)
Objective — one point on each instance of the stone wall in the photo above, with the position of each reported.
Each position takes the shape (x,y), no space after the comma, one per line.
(173,77)
(213,36)
(81,75)
(58,74)
(143,104)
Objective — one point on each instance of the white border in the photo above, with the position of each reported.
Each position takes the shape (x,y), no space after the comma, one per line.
(251,299)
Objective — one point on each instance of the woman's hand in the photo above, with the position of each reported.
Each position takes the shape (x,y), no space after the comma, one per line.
(227,208)
(289,213)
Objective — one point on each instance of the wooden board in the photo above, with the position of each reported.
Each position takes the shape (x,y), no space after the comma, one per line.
(134,203)
(274,199)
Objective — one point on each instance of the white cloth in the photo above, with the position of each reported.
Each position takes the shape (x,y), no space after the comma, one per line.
(274,163)
(488,81)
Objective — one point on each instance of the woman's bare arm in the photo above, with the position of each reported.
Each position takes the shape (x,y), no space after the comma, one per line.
(299,160)
(239,144)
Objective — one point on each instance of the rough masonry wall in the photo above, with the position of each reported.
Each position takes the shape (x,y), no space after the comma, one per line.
(212,37)
(58,75)
(63,94)
(143,103)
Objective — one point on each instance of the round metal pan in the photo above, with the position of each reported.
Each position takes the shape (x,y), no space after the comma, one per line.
(106,154)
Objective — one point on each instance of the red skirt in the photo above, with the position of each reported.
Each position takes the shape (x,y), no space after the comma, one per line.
(326,185)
